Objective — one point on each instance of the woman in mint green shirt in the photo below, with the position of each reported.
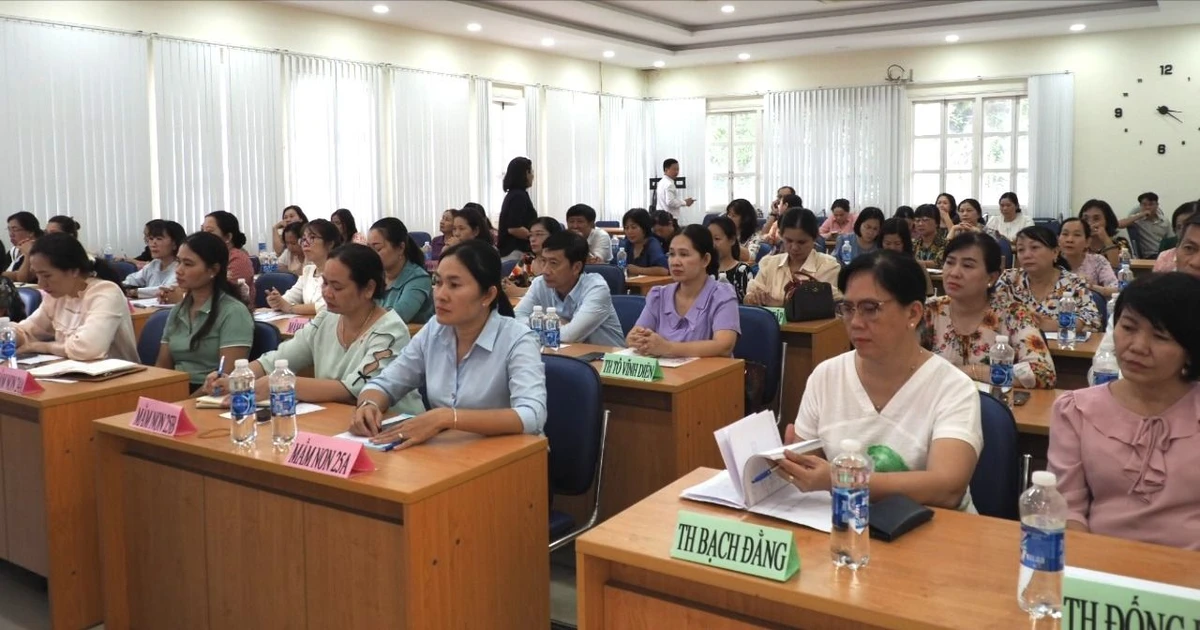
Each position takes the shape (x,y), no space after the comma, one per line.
(346,344)
(409,287)
(211,322)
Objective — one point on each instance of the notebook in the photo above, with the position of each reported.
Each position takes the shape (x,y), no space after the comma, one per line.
(88,371)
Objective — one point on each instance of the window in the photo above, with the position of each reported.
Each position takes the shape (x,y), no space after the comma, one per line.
(732,147)
(970,147)
(506,131)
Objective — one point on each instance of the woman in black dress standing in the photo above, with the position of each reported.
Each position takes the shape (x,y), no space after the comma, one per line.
(517,213)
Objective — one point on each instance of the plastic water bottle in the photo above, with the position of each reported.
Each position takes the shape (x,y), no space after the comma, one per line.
(1124,258)
(243,289)
(8,343)
(752,249)
(623,261)
(850,540)
(242,431)
(1066,322)
(1112,311)
(537,323)
(847,252)
(1043,522)
(108,253)
(427,249)
(283,405)
(272,261)
(262,248)
(1104,366)
(1124,276)
(1001,357)
(551,329)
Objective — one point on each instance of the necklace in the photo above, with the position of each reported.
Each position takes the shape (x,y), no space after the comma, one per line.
(911,370)
(361,328)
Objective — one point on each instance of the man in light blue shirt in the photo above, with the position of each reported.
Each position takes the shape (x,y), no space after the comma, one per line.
(581,300)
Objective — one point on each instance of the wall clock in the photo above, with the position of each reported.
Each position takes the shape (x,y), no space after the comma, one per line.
(1162,110)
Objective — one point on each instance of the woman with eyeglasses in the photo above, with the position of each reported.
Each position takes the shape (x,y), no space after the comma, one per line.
(305,297)
(929,240)
(1042,282)
(916,415)
(1106,239)
(531,266)
(23,230)
(165,239)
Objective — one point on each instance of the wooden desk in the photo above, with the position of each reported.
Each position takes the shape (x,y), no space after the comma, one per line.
(48,485)
(641,285)
(1072,364)
(199,534)
(1033,417)
(958,571)
(140,316)
(659,431)
(615,232)
(1141,266)
(808,344)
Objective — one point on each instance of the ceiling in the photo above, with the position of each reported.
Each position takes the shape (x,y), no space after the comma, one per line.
(680,33)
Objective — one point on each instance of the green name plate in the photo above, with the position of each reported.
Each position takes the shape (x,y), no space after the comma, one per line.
(751,549)
(631,367)
(779,314)
(1100,601)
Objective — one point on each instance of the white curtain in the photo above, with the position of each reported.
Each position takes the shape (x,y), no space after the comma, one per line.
(570,169)
(623,140)
(533,139)
(333,130)
(1051,140)
(678,128)
(74,126)
(482,89)
(430,145)
(836,143)
(254,144)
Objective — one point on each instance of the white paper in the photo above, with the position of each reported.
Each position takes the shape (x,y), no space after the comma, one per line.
(366,441)
(809,509)
(662,361)
(150,302)
(93,368)
(60,381)
(301,409)
(269,316)
(37,359)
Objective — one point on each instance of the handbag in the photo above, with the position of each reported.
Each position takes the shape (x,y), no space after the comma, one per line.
(808,299)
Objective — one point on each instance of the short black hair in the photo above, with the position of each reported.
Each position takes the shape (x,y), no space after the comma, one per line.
(572,245)
(905,212)
(844,204)
(974,203)
(66,223)
(296,229)
(516,176)
(1110,217)
(662,217)
(866,215)
(551,224)
(1046,237)
(364,264)
(64,252)
(702,241)
(729,228)
(640,218)
(1147,196)
(986,244)
(899,227)
(898,274)
(1170,302)
(169,229)
(793,201)
(1087,229)
(799,218)
(583,210)
(927,211)
(1188,208)
(1193,222)
(668,163)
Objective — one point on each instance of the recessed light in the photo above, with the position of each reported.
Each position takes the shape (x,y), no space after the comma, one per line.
(608,54)
(744,56)
(474,27)
(380,9)
(951,38)
(660,63)
(729,8)
(547,41)
(1078,27)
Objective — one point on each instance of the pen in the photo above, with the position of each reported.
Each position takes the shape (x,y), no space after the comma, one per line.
(392,445)
(763,475)
(220,373)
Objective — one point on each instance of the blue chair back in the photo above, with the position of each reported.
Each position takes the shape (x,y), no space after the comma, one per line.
(611,274)
(279,281)
(420,238)
(1006,252)
(819,244)
(761,343)
(266,339)
(31,297)
(996,484)
(1052,224)
(764,250)
(629,309)
(256,265)
(1101,305)
(608,224)
(709,217)
(151,338)
(576,424)
(123,268)
(507,266)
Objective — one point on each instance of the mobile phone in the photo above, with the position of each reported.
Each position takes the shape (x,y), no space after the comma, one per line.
(262,414)
(1020,398)
(591,356)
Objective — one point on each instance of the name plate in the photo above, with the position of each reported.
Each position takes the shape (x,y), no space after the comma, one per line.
(1100,601)
(14,381)
(328,455)
(296,323)
(631,367)
(736,546)
(779,313)
(155,416)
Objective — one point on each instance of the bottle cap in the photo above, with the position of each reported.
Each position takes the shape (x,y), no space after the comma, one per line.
(552,310)
(851,446)
(1044,478)
(280,364)
(241,363)
(4,321)
(537,309)
(1001,338)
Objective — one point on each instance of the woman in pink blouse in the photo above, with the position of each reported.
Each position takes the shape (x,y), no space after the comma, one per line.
(840,221)
(1073,239)
(226,226)
(1125,452)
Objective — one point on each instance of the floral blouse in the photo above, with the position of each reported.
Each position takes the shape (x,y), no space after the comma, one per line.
(935,251)
(1096,271)
(1118,242)
(1032,367)
(739,277)
(1013,286)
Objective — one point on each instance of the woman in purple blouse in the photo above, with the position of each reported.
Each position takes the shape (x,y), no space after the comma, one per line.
(695,316)
(1125,452)
(1073,239)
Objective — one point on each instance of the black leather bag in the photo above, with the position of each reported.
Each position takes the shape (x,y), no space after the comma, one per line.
(808,299)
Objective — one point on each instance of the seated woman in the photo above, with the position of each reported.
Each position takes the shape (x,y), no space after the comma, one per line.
(799,262)
(482,370)
(970,215)
(908,215)
(409,289)
(471,224)
(225,226)
(865,238)
(343,220)
(81,317)
(947,209)
(291,215)
(292,259)
(695,316)
(730,267)
(745,217)
(894,236)
(1011,220)
(840,221)
(345,345)
(1040,283)
(445,238)
(962,325)
(1073,238)
(1167,249)
(23,230)
(165,239)
(63,224)
(916,415)
(305,297)
(929,240)
(517,283)
(143,258)
(786,199)
(643,250)
(1105,240)
(211,323)
(1125,452)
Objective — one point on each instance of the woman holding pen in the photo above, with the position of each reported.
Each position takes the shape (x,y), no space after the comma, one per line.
(304,298)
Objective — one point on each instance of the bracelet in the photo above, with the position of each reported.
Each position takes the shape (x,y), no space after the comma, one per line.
(455,410)
(369,402)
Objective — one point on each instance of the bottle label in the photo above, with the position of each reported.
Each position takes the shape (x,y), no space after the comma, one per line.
(1002,375)
(283,403)
(1104,377)
(8,348)
(551,337)
(1066,320)
(851,509)
(241,404)
(1041,550)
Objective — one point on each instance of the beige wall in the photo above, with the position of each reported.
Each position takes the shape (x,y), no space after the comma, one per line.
(266,25)
(1108,163)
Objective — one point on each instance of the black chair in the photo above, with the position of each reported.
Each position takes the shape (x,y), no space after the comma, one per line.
(576,427)
(420,238)
(629,309)
(1052,224)
(151,338)
(278,280)
(1135,250)
(32,298)
(996,484)
(123,268)
(266,339)
(611,274)
(762,343)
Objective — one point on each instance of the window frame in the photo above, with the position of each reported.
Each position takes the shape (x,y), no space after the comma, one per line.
(730,175)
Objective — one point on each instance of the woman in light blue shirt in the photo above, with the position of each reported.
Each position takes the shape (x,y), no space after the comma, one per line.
(163,239)
(482,370)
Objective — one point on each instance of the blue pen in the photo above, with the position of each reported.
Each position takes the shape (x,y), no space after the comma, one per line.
(763,475)
(220,373)
(392,445)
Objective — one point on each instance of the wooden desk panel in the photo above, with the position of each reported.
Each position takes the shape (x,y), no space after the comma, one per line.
(1072,364)
(808,344)
(960,570)
(641,285)
(1141,266)
(1034,416)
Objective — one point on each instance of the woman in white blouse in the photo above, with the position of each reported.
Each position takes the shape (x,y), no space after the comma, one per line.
(304,298)
(292,258)
(1011,219)
(163,240)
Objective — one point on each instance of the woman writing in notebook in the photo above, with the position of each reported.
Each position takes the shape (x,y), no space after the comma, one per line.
(304,298)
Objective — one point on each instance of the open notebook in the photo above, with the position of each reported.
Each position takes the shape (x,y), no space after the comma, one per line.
(87,371)
(750,448)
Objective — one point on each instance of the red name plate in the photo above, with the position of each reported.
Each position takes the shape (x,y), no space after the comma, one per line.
(296,323)
(328,455)
(14,381)
(162,418)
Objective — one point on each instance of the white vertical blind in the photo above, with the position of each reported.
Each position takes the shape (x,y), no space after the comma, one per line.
(533,139)
(74,122)
(678,128)
(571,167)
(835,143)
(1051,140)
(254,142)
(431,145)
(623,140)
(482,91)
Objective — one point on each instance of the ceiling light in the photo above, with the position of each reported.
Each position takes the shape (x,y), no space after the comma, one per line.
(547,41)
(660,63)
(1078,27)
(474,27)
(951,38)
(744,56)
(729,8)
(608,54)
(380,9)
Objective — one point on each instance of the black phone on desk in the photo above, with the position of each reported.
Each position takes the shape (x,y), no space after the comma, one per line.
(591,356)
(1020,397)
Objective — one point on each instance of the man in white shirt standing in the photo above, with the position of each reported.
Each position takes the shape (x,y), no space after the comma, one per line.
(668,194)
(581,219)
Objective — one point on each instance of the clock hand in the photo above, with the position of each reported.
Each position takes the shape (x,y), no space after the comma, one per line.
(1173,116)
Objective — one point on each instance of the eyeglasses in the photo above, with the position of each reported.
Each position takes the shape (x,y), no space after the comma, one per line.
(869,309)
(306,239)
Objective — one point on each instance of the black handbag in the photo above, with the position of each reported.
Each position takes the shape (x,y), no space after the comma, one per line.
(808,299)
